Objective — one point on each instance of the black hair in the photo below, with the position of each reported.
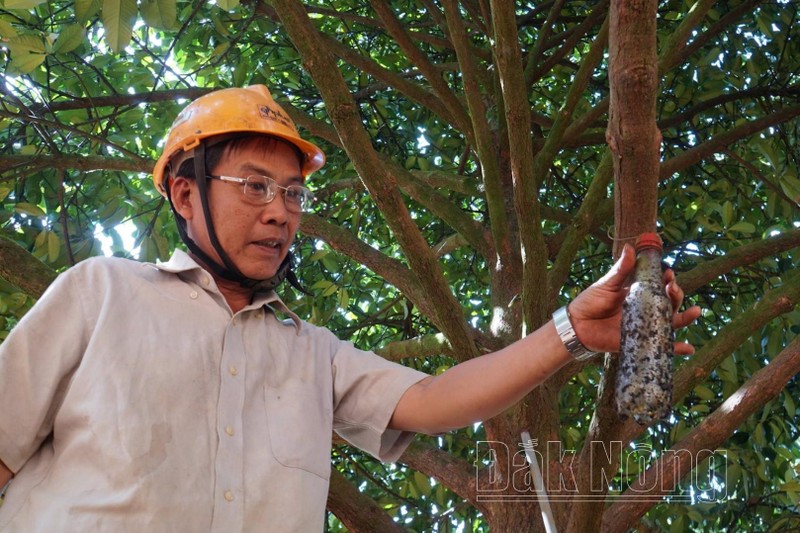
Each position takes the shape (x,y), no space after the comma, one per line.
(215,151)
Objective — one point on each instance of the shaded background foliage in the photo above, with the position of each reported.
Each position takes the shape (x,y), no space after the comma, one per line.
(89,89)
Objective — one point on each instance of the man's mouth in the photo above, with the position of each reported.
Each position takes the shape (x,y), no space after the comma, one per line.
(269,243)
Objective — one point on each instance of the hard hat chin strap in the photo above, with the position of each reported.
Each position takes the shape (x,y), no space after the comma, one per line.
(228,269)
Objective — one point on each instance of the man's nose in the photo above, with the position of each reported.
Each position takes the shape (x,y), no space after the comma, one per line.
(275,212)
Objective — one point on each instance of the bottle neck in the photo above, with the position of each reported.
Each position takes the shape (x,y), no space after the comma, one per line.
(648,266)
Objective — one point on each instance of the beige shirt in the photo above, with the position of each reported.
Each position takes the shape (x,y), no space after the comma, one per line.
(131,399)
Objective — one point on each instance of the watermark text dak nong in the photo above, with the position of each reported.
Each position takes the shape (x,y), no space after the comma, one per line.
(705,482)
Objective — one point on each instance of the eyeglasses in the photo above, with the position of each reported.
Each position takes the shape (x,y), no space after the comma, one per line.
(262,190)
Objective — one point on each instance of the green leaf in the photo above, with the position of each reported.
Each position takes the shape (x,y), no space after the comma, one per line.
(86,9)
(22,4)
(727,213)
(30,210)
(704,393)
(41,240)
(27,52)
(423,483)
(759,436)
(678,525)
(743,227)
(789,405)
(791,186)
(699,408)
(330,290)
(344,298)
(694,515)
(69,39)
(228,5)
(161,14)
(53,246)
(7,30)
(118,19)
(220,49)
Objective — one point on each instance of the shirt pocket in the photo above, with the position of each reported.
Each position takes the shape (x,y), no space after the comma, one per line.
(300,422)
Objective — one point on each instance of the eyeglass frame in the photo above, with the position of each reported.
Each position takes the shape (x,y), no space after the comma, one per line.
(307,197)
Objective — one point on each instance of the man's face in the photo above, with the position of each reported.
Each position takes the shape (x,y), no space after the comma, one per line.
(256,237)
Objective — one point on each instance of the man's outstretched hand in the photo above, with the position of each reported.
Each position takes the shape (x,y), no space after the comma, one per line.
(596,314)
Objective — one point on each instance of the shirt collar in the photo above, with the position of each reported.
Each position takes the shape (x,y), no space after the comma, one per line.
(179,262)
(182,264)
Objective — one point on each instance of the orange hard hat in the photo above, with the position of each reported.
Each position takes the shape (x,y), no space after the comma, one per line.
(237,110)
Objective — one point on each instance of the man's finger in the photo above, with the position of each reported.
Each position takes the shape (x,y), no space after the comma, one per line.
(683,348)
(681,320)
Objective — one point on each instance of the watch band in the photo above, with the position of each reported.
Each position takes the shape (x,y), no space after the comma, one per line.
(571,342)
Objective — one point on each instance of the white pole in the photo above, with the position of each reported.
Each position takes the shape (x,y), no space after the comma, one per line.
(538,484)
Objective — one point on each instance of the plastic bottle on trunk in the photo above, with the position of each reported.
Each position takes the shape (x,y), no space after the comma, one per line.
(644,378)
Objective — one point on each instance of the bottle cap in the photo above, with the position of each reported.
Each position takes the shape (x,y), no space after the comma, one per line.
(649,240)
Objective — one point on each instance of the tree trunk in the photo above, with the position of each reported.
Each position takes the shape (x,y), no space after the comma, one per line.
(634,140)
(632,133)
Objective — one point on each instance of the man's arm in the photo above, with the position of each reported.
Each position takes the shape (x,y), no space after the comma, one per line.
(483,387)
(5,474)
(480,388)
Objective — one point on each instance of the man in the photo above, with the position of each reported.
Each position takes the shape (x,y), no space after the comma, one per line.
(171,397)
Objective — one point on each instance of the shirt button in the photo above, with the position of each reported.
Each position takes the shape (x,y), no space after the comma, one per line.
(193,295)
(206,281)
(233,370)
(259,313)
(228,496)
(229,431)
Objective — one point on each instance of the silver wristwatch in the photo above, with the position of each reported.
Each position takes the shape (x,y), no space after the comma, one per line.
(564,329)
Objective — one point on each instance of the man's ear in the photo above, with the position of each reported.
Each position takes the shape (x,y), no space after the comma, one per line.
(180,189)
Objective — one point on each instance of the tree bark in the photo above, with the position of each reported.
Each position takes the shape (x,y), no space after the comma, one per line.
(632,133)
(356,510)
(634,141)
(19,267)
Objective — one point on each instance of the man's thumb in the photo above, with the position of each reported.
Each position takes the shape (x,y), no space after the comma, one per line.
(616,277)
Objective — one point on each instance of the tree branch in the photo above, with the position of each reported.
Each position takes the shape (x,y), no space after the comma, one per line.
(671,51)
(508,59)
(415,55)
(450,471)
(585,221)
(746,254)
(686,116)
(772,304)
(701,442)
(442,307)
(535,70)
(719,143)
(122,100)
(344,242)
(442,207)
(419,347)
(54,125)
(676,51)
(20,268)
(83,163)
(481,133)
(401,83)
(357,511)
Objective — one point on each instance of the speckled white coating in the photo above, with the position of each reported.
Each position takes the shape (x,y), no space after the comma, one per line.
(644,379)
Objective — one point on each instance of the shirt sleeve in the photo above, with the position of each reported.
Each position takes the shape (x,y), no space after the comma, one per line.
(366,391)
(36,360)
